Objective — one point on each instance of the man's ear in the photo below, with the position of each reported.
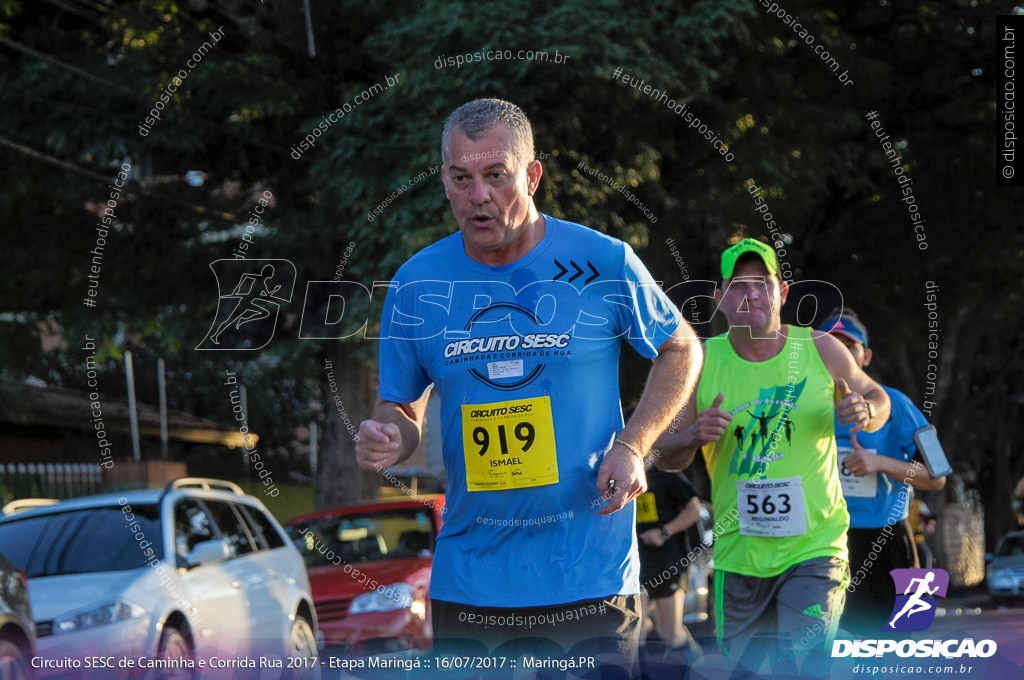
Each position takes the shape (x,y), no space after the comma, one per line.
(533,175)
(867,358)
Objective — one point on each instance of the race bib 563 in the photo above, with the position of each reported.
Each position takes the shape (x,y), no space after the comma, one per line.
(771,507)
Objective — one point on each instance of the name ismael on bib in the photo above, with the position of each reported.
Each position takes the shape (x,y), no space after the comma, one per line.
(509,444)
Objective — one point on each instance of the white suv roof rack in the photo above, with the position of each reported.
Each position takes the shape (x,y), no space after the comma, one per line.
(22,504)
(205,483)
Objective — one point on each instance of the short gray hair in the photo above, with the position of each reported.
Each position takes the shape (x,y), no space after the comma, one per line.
(476,118)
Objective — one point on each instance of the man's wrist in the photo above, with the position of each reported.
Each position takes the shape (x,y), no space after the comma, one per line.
(691,440)
(665,533)
(632,449)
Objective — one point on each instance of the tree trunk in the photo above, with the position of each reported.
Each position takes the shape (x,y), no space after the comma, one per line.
(349,394)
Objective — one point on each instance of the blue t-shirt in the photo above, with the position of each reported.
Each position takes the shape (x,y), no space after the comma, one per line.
(546,327)
(895,439)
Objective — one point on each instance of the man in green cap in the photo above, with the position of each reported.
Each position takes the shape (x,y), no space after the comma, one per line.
(763,417)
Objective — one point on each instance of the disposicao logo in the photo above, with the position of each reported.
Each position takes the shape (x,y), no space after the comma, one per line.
(251,293)
(914,610)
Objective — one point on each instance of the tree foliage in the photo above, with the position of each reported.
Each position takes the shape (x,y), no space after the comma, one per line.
(79,77)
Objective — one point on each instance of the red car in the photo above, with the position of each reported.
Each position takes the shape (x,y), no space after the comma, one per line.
(369,569)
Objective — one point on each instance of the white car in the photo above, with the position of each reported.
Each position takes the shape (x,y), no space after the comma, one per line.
(1005,574)
(195,576)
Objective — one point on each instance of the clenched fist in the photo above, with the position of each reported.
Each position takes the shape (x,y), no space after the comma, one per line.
(379,445)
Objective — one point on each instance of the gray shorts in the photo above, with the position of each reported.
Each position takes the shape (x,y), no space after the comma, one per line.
(782,616)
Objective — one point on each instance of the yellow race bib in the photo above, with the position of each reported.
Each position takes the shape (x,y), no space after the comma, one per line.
(509,444)
(645,509)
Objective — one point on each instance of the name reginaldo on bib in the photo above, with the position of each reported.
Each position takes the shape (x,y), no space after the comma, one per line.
(509,444)
(773,507)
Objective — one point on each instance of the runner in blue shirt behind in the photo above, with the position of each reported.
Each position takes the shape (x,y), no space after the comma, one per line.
(877,469)
(517,321)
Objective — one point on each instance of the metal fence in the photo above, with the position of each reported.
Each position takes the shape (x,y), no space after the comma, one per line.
(48,480)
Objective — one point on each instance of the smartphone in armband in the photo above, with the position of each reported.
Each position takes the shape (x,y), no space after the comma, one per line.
(931,450)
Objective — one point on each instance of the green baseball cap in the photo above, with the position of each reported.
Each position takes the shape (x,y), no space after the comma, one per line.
(749,245)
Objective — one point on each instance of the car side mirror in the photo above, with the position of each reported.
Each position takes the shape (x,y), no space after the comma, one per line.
(988,557)
(207,552)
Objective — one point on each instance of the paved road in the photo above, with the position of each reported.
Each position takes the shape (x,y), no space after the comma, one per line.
(968,616)
(971,616)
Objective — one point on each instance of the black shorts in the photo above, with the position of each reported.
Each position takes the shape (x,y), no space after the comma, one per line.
(661,569)
(606,628)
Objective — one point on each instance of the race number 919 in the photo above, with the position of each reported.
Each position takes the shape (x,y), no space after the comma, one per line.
(524,432)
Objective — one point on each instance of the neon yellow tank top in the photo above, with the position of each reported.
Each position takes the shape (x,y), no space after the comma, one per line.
(774,474)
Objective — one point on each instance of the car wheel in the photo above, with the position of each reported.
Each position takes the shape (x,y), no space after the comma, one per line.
(13,663)
(302,651)
(175,646)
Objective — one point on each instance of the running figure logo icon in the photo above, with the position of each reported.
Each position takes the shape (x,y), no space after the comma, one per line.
(251,293)
(915,608)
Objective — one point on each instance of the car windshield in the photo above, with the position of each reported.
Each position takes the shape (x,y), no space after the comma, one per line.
(1012,545)
(83,541)
(362,538)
